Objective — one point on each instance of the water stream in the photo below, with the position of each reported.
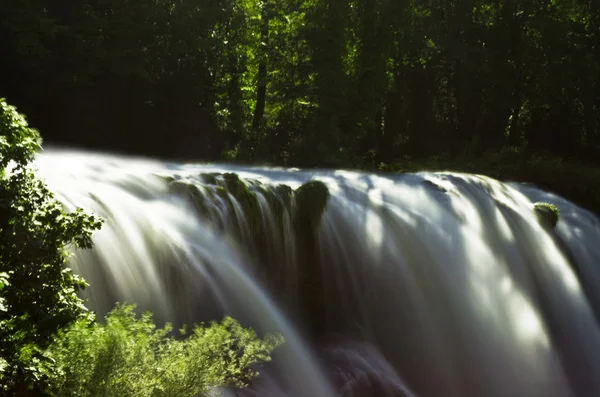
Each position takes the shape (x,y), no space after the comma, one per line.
(429,284)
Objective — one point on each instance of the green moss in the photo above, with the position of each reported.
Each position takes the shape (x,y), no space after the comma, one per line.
(278,197)
(197,195)
(221,191)
(198,198)
(183,188)
(231,178)
(246,199)
(210,178)
(209,193)
(309,200)
(166,178)
(238,189)
(547,213)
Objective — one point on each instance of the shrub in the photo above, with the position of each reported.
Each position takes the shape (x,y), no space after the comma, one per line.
(130,356)
(38,295)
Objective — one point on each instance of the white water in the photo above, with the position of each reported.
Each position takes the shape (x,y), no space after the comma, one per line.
(444,289)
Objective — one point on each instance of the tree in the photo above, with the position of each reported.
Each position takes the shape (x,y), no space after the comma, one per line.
(38,293)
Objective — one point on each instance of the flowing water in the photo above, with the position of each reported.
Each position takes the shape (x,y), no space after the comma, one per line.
(429,284)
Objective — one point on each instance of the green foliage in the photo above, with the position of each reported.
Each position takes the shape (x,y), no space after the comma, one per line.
(38,295)
(130,356)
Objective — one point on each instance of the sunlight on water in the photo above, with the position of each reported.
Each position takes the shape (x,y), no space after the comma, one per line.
(432,284)
(506,285)
(374,225)
(528,323)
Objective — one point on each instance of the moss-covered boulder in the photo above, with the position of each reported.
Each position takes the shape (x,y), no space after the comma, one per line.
(239,190)
(431,185)
(310,202)
(210,178)
(547,214)
(220,191)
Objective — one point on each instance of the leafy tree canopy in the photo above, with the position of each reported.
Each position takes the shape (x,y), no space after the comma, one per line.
(38,294)
(313,82)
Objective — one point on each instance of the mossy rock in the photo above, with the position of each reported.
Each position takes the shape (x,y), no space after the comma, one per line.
(246,199)
(434,186)
(221,192)
(285,193)
(238,189)
(176,185)
(210,178)
(278,197)
(548,214)
(311,200)
(198,197)
(167,178)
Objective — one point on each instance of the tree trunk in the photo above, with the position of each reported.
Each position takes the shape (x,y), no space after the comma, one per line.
(261,92)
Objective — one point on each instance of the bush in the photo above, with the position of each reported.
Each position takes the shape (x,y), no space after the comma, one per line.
(38,295)
(130,356)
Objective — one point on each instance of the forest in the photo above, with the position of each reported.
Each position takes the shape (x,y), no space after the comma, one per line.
(308,82)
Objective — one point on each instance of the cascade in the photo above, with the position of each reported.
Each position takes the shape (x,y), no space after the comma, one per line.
(422,284)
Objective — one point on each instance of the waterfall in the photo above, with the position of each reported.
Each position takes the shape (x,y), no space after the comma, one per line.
(426,284)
